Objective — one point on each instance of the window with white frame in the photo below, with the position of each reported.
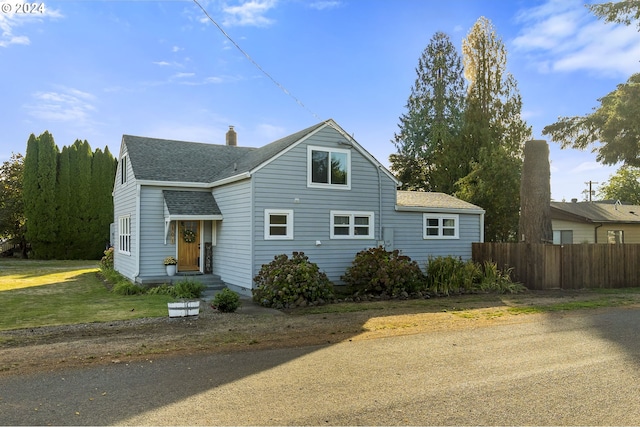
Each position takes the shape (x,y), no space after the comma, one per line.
(328,167)
(352,225)
(124,234)
(437,226)
(278,224)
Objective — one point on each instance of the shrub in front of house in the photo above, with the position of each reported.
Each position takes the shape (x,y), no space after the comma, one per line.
(127,288)
(449,274)
(495,280)
(376,271)
(106,263)
(291,282)
(226,301)
(188,289)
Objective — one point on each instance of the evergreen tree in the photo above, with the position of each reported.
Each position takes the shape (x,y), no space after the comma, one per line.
(493,134)
(81,199)
(429,135)
(102,174)
(39,194)
(63,189)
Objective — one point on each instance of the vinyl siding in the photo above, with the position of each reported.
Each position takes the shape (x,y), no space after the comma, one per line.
(631,232)
(232,253)
(283,185)
(408,237)
(124,202)
(582,233)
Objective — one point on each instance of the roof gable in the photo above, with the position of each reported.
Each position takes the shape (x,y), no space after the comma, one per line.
(162,160)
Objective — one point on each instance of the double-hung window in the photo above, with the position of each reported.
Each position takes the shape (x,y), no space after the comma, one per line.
(352,225)
(278,224)
(440,226)
(328,167)
(124,234)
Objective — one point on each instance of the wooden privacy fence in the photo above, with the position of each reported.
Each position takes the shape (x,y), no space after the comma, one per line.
(589,265)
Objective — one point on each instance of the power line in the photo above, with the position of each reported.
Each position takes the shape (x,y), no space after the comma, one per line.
(282,88)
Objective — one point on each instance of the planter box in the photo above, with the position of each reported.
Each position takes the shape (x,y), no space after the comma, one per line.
(183,308)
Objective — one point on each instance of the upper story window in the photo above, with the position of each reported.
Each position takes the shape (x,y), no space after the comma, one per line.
(124,234)
(440,226)
(352,225)
(123,170)
(328,167)
(278,224)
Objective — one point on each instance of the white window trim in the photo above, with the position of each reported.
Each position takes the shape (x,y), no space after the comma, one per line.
(123,170)
(311,184)
(267,224)
(440,218)
(124,235)
(352,215)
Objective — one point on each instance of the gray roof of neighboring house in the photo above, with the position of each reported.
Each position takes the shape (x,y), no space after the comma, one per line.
(596,212)
(190,203)
(156,159)
(421,199)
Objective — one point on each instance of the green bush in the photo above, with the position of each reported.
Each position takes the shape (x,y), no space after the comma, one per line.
(289,282)
(106,263)
(226,301)
(163,289)
(127,288)
(376,271)
(495,280)
(188,289)
(450,274)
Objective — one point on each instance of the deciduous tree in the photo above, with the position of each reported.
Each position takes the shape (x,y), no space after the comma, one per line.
(624,185)
(11,203)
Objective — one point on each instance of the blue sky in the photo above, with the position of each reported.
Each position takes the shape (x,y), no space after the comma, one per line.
(98,69)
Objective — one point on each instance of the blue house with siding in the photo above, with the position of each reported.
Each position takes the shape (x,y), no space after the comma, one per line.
(225,210)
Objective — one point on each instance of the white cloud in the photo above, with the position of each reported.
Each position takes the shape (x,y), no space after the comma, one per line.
(249,13)
(270,132)
(63,105)
(587,166)
(13,16)
(563,36)
(325,4)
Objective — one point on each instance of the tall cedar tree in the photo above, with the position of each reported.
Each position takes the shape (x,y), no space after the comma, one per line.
(39,192)
(66,226)
(102,174)
(12,224)
(494,133)
(429,135)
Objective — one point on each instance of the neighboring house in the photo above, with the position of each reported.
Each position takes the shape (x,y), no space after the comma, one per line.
(227,210)
(595,222)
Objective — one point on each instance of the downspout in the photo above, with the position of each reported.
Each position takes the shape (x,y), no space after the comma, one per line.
(595,233)
(379,205)
(137,257)
(482,227)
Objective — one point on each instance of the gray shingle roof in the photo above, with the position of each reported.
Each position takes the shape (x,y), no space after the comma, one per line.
(156,159)
(598,212)
(421,199)
(190,203)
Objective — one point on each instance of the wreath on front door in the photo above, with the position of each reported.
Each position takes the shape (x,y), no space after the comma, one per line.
(189,236)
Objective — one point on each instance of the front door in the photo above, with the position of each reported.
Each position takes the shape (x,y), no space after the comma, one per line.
(189,246)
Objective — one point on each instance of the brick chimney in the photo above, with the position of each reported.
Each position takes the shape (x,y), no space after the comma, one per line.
(232,137)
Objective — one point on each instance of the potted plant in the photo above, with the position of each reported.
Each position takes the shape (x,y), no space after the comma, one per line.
(188,292)
(170,263)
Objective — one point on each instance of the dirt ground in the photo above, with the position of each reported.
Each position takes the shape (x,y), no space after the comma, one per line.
(251,328)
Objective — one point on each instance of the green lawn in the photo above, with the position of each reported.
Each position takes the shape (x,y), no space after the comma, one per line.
(46,293)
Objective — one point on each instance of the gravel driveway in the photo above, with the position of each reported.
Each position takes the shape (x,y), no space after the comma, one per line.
(580,368)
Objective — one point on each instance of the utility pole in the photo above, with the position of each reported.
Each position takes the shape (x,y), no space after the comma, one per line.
(590,191)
